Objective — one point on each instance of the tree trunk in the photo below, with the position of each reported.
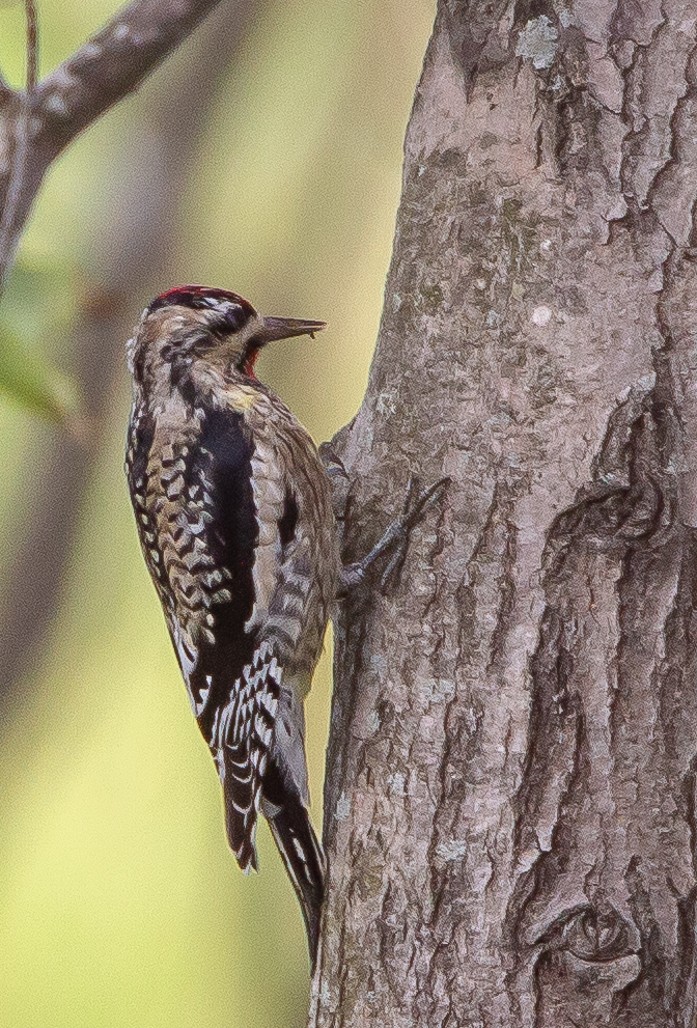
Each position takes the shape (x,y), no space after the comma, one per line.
(510,804)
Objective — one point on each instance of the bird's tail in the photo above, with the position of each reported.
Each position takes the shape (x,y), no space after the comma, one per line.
(305,863)
(242,790)
(241,744)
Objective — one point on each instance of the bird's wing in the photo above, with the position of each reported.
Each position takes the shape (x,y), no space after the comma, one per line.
(207,532)
(210,536)
(242,741)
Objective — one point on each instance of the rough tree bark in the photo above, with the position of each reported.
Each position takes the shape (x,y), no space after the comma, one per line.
(510,805)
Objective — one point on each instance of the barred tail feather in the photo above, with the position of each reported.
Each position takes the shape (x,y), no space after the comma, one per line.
(241,773)
(243,737)
(304,860)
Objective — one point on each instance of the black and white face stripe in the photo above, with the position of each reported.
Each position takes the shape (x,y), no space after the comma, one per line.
(233,311)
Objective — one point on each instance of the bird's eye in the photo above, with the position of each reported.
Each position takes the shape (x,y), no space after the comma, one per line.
(232,317)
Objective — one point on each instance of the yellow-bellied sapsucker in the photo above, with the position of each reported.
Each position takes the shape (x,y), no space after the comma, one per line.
(235,519)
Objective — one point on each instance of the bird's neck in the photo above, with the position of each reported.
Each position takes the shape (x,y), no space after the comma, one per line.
(186,384)
(219,386)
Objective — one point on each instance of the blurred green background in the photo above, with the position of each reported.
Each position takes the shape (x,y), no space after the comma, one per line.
(264,157)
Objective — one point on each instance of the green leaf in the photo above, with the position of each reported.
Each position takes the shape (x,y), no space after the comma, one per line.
(33,383)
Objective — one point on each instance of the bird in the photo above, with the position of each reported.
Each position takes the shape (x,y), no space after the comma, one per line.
(234,514)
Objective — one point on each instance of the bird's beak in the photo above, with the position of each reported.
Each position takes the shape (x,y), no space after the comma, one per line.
(284,328)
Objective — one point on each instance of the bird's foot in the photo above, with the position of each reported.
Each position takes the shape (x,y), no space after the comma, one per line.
(395,540)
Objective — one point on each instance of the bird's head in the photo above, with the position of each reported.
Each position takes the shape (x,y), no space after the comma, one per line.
(194,323)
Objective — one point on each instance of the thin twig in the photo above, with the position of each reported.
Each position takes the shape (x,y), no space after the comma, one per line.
(9,239)
(32,46)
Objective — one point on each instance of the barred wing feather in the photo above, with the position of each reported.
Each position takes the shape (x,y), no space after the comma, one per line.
(241,744)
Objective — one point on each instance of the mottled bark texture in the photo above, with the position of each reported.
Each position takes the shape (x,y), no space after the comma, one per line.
(510,806)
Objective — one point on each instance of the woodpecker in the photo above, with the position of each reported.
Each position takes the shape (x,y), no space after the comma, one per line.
(234,513)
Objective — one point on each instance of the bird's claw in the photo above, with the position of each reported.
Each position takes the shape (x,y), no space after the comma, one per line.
(395,540)
(416,502)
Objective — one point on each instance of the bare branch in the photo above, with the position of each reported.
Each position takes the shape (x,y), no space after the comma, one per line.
(112,64)
(49,115)
(9,238)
